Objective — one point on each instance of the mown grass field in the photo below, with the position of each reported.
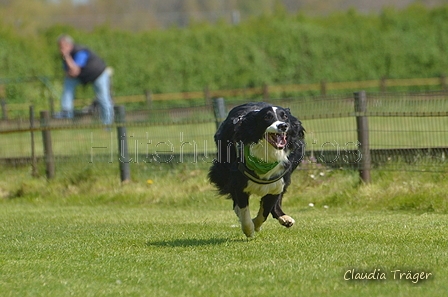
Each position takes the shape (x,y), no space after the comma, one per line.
(167,233)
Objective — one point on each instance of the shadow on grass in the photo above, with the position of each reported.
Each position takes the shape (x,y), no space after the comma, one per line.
(188,242)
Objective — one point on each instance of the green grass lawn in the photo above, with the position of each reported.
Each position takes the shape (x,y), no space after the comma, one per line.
(167,233)
(120,250)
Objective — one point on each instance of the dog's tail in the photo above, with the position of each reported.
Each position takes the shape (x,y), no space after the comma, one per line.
(219,175)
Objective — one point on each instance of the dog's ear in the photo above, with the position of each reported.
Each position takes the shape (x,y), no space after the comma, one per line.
(245,126)
(296,129)
(237,121)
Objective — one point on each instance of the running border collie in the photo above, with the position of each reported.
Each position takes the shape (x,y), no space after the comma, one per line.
(258,147)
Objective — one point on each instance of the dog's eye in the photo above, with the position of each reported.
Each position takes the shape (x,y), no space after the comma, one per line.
(283,116)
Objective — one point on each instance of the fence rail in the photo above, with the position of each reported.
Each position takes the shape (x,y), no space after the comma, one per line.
(264,91)
(406,131)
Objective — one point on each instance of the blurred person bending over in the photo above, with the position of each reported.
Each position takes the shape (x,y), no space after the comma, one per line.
(82,66)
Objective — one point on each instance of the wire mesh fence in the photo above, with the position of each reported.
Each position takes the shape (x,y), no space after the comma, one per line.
(407,131)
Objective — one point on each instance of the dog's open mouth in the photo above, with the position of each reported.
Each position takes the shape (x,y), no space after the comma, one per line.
(277,140)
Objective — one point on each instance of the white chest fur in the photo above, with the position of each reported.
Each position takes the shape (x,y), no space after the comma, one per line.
(265,152)
(274,188)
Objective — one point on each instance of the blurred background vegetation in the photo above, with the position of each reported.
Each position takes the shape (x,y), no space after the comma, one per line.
(176,46)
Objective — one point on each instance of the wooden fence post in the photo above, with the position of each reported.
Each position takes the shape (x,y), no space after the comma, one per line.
(443,82)
(148,96)
(51,103)
(4,109)
(33,151)
(383,86)
(220,111)
(323,88)
(265,92)
(123,153)
(362,126)
(207,95)
(48,148)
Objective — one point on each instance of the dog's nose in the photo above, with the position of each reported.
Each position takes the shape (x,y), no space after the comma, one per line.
(282,127)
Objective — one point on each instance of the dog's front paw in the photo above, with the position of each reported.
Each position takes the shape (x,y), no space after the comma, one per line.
(286,221)
(248,229)
(246,222)
(258,221)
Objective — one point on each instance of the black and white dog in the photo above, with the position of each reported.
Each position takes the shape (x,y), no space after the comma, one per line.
(259,146)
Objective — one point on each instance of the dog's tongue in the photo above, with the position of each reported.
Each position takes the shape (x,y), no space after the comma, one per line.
(281,140)
(278,140)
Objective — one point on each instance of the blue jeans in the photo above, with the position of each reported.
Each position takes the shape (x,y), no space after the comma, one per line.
(102,92)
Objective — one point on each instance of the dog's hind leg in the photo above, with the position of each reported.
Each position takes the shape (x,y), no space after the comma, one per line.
(278,213)
(266,205)
(241,208)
